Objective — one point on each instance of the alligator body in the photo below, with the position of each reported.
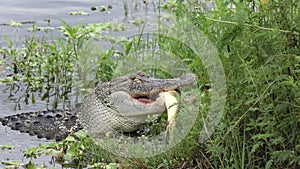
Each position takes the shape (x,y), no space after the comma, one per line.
(121,105)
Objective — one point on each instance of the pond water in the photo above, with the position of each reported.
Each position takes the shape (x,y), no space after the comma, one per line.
(41,12)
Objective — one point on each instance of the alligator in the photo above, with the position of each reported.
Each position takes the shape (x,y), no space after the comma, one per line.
(121,105)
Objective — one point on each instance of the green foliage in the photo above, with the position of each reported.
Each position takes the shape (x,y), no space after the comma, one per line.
(52,67)
(75,151)
(260,48)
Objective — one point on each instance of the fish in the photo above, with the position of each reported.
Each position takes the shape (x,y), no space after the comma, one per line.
(171,103)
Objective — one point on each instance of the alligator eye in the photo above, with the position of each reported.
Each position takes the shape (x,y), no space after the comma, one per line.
(137,81)
(132,77)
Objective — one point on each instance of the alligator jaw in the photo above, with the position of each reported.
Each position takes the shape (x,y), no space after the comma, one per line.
(146,90)
(150,98)
(142,99)
(141,84)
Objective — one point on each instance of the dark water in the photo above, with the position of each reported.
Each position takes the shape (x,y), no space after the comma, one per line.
(42,11)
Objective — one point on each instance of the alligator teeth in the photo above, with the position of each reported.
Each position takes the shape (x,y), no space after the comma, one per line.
(172,109)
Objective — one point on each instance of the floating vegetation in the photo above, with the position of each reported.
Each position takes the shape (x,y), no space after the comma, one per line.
(102,8)
(6,147)
(82,13)
(17,24)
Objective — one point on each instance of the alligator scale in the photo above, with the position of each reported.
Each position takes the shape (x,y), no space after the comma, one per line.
(121,105)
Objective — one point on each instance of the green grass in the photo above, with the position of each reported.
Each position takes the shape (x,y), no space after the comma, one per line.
(260,51)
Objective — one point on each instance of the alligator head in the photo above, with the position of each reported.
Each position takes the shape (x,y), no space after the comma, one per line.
(126,102)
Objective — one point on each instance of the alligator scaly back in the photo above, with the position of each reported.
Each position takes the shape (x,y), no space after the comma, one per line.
(44,124)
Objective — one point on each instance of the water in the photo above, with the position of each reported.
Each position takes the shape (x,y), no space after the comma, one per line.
(41,12)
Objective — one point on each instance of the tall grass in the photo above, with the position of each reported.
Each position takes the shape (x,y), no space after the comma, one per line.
(260,51)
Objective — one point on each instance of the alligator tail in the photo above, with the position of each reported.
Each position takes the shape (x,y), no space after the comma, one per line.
(55,125)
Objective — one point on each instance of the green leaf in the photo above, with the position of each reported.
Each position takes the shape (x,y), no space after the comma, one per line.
(11,163)
(102,8)
(15,24)
(81,134)
(70,139)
